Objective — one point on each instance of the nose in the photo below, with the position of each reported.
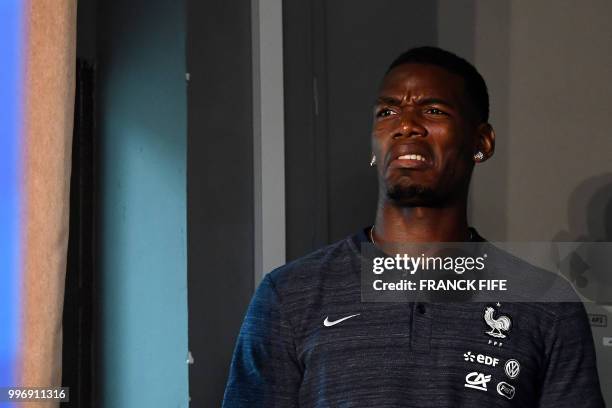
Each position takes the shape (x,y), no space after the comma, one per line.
(409,126)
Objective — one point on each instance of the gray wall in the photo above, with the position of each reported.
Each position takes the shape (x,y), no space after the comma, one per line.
(550,107)
(220,189)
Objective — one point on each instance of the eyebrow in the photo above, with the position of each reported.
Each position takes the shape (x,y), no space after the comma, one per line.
(388,100)
(391,100)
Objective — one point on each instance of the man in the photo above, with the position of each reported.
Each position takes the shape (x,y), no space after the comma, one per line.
(309,341)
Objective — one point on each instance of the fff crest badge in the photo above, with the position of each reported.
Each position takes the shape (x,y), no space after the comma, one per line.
(499,324)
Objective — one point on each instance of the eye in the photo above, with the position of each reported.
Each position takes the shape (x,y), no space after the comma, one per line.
(384,112)
(435,111)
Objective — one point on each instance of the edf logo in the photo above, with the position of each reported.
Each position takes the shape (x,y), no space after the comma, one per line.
(481,359)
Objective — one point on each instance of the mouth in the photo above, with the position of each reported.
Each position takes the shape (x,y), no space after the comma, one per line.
(411,157)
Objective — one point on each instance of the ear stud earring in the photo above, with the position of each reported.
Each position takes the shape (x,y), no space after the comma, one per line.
(479,156)
(373,161)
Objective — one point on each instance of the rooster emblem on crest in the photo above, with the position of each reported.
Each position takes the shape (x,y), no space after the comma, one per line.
(498,324)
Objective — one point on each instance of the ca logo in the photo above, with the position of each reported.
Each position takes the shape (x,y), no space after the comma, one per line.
(477,381)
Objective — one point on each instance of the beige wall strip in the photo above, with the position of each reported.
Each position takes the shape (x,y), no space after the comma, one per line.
(49,105)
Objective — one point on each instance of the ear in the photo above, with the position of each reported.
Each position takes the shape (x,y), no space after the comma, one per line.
(485,142)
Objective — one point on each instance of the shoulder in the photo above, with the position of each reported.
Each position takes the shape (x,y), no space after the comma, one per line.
(331,259)
(544,292)
(304,285)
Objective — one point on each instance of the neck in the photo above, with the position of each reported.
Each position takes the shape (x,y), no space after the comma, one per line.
(396,224)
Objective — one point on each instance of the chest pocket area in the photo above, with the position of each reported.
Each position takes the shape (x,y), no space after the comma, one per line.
(366,338)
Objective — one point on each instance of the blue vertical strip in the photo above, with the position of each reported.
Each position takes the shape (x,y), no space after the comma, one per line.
(11,64)
(142,102)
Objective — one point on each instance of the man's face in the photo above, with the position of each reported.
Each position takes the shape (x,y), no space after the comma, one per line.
(424,136)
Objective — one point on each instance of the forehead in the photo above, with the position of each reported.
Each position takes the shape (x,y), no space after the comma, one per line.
(422,80)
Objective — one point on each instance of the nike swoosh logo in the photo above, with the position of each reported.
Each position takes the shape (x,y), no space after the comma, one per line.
(327,323)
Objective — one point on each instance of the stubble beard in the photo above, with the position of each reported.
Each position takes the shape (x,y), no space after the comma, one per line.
(414,195)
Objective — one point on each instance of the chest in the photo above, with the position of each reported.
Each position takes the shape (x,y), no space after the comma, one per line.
(471,351)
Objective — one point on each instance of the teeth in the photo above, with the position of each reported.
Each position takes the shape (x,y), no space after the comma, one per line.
(412,157)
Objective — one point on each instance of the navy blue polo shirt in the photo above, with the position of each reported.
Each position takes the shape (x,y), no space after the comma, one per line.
(309,341)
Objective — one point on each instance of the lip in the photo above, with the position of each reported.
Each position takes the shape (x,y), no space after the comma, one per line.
(397,159)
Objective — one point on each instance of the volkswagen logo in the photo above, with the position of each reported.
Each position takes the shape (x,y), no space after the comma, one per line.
(512,368)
